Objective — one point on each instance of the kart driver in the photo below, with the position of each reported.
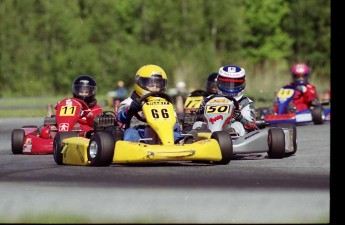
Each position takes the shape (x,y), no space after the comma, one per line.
(85,88)
(231,81)
(149,78)
(305,95)
(211,83)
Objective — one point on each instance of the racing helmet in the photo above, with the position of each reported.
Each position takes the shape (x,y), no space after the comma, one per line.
(231,81)
(150,78)
(300,74)
(211,83)
(85,88)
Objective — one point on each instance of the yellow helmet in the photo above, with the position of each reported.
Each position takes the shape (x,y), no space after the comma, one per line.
(150,78)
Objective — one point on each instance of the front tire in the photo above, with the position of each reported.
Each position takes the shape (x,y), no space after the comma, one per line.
(225,144)
(100,151)
(17,141)
(276,143)
(58,145)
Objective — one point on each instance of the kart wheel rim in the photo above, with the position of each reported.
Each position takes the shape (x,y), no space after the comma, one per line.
(93,149)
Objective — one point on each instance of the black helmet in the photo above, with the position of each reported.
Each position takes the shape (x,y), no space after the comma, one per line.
(85,88)
(211,85)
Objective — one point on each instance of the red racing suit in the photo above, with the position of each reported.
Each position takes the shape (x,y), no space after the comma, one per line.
(86,120)
(303,97)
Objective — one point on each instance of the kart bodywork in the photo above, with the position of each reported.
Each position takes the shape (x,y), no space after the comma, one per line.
(191,107)
(287,113)
(278,141)
(107,146)
(30,140)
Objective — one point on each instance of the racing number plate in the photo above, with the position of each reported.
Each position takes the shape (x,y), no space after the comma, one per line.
(159,110)
(193,102)
(67,110)
(217,109)
(284,93)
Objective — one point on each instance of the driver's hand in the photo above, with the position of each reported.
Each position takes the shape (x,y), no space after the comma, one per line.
(87,113)
(301,88)
(134,106)
(238,115)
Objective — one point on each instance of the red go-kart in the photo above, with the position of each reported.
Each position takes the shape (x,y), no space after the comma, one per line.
(33,140)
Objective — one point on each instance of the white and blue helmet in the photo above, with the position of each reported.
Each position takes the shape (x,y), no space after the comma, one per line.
(231,81)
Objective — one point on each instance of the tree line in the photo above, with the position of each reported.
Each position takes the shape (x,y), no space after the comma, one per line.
(45,44)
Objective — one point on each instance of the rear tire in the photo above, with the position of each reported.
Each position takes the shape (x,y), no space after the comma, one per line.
(293,129)
(100,151)
(58,145)
(318,115)
(17,141)
(276,143)
(225,144)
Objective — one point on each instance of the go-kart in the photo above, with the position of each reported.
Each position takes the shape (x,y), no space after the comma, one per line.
(287,112)
(278,141)
(107,146)
(31,139)
(191,107)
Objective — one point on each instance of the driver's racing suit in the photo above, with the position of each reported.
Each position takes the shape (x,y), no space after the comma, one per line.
(245,124)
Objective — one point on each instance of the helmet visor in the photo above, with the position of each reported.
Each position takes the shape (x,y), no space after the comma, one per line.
(154,83)
(211,86)
(84,91)
(300,78)
(231,85)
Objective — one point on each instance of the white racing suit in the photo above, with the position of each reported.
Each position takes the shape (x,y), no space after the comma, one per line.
(246,124)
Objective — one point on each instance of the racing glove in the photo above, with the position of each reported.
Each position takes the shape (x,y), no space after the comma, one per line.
(87,113)
(238,115)
(133,107)
(301,88)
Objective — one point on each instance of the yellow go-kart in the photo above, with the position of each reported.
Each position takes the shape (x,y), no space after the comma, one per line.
(107,146)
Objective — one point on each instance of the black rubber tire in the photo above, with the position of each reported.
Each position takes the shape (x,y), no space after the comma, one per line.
(292,127)
(317,115)
(276,143)
(57,145)
(17,141)
(225,144)
(104,143)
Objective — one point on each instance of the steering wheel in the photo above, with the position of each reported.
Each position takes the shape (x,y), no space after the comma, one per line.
(84,105)
(144,99)
(237,106)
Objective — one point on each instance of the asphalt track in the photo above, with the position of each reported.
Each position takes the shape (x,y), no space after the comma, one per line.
(250,189)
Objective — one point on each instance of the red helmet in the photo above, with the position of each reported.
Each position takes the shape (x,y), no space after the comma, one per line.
(300,74)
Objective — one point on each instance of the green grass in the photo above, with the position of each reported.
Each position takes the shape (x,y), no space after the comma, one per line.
(30,106)
(65,218)
(260,88)
(58,218)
